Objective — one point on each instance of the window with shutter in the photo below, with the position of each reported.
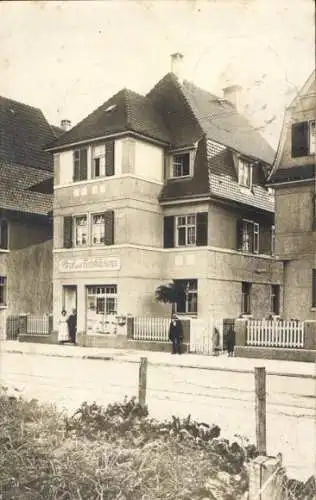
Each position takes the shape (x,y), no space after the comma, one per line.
(68,232)
(275,299)
(80,159)
(313,287)
(312,137)
(202,229)
(300,139)
(3,290)
(245,297)
(168,232)
(248,236)
(109,227)
(109,159)
(3,234)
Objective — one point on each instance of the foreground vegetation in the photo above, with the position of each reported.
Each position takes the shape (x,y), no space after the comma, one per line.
(114,453)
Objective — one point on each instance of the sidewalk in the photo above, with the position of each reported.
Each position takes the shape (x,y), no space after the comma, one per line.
(194,361)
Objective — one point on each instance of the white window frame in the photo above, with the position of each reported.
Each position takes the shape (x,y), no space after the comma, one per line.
(74,236)
(190,292)
(103,292)
(312,137)
(92,227)
(187,226)
(244,166)
(245,243)
(3,286)
(173,165)
(99,157)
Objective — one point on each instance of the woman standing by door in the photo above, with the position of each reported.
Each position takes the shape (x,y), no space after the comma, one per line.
(63,335)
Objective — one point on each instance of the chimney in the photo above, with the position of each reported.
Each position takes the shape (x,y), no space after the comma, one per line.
(65,125)
(232,94)
(177,65)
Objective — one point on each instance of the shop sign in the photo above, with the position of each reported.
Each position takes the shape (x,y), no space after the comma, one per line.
(89,264)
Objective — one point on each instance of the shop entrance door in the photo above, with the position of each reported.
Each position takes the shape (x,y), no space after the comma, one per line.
(69,297)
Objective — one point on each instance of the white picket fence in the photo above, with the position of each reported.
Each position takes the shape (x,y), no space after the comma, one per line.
(274,333)
(38,324)
(202,335)
(151,328)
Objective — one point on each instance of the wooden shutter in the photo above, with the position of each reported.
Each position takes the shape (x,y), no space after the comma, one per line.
(4,234)
(256,238)
(239,234)
(109,227)
(166,166)
(109,158)
(314,288)
(314,212)
(201,229)
(57,169)
(168,232)
(76,162)
(68,225)
(299,139)
(83,164)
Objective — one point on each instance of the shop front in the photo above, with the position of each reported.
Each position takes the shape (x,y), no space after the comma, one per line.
(101,309)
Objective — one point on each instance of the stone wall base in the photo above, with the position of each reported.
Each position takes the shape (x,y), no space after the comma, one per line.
(38,339)
(307,355)
(121,342)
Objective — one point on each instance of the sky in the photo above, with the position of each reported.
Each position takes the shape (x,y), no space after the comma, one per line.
(67,58)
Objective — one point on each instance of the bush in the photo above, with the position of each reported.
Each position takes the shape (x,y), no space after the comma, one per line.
(116,452)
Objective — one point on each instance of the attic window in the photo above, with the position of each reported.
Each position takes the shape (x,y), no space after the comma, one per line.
(111,108)
(180,165)
(244,173)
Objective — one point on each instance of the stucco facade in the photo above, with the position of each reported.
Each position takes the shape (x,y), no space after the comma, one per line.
(136,263)
(144,194)
(293,179)
(27,266)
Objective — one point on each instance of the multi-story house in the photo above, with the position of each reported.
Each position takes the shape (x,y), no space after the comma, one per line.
(293,179)
(25,224)
(159,187)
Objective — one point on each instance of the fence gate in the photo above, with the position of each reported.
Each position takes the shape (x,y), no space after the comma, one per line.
(202,334)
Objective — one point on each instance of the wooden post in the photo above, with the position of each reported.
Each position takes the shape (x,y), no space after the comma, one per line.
(266,477)
(142,381)
(261,427)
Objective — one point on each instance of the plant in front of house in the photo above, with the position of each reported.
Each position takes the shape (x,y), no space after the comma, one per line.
(171,293)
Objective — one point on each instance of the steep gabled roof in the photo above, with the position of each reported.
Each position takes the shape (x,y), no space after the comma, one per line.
(15,181)
(125,111)
(222,123)
(287,170)
(24,132)
(169,99)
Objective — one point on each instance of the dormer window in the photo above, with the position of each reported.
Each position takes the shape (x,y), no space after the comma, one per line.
(244,173)
(180,165)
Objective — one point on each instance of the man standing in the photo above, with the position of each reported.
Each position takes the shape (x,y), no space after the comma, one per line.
(72,326)
(175,334)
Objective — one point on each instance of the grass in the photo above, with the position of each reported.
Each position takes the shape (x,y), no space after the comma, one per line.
(116,452)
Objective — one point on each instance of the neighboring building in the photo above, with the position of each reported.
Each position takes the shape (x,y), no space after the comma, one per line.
(25,224)
(159,187)
(293,179)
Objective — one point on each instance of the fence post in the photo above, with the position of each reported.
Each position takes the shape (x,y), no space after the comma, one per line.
(142,381)
(266,478)
(261,428)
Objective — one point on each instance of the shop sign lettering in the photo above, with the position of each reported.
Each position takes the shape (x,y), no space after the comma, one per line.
(89,264)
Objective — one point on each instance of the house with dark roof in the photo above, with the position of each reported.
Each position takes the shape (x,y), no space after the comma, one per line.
(293,180)
(166,186)
(25,224)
